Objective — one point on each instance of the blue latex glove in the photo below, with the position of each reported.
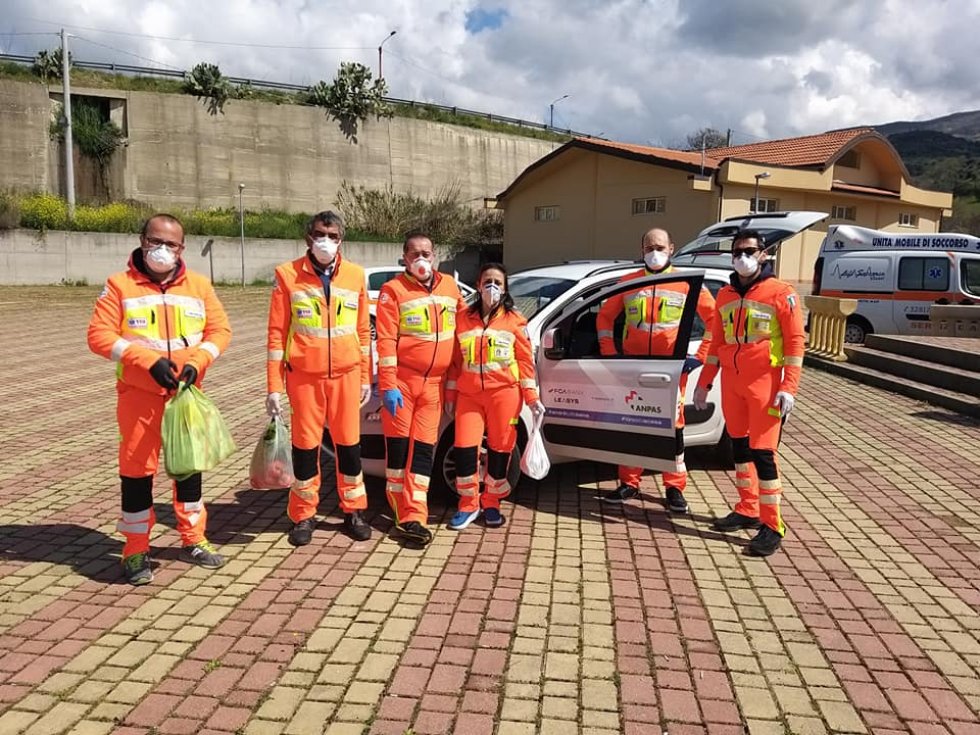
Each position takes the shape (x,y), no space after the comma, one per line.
(393,400)
(691,364)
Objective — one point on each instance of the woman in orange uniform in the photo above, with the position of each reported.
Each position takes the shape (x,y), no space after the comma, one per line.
(492,375)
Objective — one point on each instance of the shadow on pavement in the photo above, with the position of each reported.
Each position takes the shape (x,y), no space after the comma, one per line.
(87,552)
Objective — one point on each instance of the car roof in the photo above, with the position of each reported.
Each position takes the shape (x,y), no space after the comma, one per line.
(576,270)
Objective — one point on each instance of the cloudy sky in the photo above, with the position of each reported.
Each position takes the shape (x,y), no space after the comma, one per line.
(643,71)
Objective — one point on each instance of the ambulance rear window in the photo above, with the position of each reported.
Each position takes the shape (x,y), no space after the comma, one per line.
(923,274)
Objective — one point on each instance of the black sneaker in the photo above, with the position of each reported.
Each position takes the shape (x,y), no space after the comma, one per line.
(136,568)
(621,494)
(302,533)
(356,527)
(416,532)
(766,542)
(675,501)
(203,554)
(735,522)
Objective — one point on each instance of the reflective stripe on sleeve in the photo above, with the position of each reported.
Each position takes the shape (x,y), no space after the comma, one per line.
(211,348)
(118,348)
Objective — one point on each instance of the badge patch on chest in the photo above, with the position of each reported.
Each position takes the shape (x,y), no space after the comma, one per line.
(304,312)
(413,320)
(137,322)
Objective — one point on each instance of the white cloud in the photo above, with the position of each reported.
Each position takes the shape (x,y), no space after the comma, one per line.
(635,70)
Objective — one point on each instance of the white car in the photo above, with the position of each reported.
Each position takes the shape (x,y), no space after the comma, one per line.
(617,409)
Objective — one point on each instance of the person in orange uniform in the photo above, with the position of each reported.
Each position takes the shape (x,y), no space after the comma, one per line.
(319,343)
(758,344)
(416,328)
(492,376)
(163,325)
(652,321)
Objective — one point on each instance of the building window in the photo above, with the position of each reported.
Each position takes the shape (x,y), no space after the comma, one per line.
(923,274)
(851,159)
(841,212)
(907,219)
(653,205)
(547,214)
(765,205)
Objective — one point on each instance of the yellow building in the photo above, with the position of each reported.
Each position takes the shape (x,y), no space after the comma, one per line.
(594,199)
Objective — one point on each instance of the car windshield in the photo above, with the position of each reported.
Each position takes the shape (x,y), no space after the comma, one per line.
(532,293)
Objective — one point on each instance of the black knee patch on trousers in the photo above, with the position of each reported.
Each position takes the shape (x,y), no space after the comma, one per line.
(497,464)
(396,452)
(306,462)
(740,450)
(348,459)
(422,458)
(765,464)
(137,493)
(189,489)
(465,461)
(679,442)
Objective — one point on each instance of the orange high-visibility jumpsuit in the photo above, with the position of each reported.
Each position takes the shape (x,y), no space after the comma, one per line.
(758,343)
(491,377)
(319,344)
(653,318)
(416,327)
(135,323)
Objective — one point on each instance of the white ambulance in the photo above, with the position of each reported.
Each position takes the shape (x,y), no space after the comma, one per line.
(896,277)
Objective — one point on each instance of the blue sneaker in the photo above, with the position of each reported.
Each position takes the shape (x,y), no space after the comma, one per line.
(492,517)
(461,519)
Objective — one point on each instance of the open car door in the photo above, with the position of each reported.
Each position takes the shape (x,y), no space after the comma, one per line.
(620,409)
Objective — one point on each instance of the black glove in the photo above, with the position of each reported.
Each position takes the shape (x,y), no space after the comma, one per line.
(164,371)
(188,375)
(691,364)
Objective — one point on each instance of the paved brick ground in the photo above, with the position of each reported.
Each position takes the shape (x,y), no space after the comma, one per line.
(572,618)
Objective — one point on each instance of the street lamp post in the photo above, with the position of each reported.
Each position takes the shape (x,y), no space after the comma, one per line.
(551,108)
(755,201)
(380,74)
(241,217)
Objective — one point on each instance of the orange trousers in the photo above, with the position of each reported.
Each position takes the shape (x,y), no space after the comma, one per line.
(497,412)
(410,439)
(678,478)
(317,401)
(139,415)
(754,426)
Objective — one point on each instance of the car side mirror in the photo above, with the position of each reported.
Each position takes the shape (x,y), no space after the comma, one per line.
(551,344)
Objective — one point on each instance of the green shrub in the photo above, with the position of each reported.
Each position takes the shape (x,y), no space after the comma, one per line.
(43,211)
(9,210)
(114,217)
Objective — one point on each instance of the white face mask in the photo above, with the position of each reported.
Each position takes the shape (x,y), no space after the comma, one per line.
(160,260)
(745,265)
(491,294)
(325,250)
(421,269)
(656,260)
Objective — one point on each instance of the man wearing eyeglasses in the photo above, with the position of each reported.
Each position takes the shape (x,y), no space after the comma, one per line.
(319,342)
(757,343)
(164,325)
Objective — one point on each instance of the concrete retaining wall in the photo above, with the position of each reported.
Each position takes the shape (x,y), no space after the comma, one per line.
(28,257)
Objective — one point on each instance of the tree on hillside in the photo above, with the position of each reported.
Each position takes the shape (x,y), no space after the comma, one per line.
(706,138)
(206,82)
(47,64)
(351,98)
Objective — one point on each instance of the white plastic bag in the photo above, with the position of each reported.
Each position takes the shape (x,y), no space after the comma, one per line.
(534,462)
(272,460)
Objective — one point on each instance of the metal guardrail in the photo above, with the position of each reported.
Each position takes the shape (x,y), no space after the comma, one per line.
(282,86)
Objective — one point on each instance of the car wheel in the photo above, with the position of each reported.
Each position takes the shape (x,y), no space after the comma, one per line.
(856,330)
(723,452)
(374,330)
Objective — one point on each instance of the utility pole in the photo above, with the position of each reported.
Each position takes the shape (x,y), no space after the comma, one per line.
(241,216)
(66,107)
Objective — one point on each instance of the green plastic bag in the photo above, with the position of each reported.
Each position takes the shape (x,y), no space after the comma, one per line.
(195,437)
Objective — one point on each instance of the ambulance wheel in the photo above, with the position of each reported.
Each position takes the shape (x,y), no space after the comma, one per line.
(856,330)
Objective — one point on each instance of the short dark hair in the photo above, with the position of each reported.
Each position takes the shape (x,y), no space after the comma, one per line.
(166,218)
(749,235)
(414,235)
(507,301)
(326,217)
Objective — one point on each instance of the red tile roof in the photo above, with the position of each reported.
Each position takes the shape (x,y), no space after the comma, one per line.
(688,158)
(858,189)
(807,150)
